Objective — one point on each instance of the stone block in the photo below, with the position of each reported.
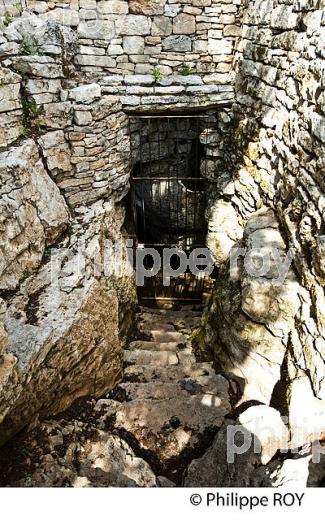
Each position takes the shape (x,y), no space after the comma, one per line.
(112,7)
(219,46)
(184,24)
(85,93)
(161,26)
(132,25)
(177,44)
(96,29)
(283,17)
(83,117)
(133,44)
(95,61)
(147,7)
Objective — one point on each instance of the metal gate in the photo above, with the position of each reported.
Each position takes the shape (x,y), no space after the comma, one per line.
(168,197)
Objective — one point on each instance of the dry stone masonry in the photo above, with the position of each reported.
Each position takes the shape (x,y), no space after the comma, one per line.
(73,74)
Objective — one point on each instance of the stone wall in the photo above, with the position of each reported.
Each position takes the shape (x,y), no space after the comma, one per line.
(274,158)
(66,91)
(64,168)
(120,36)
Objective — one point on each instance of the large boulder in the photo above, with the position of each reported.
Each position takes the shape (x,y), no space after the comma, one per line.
(33,213)
(253,309)
(239,447)
(63,325)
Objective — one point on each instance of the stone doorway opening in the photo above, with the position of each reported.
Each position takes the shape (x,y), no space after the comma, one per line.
(168,199)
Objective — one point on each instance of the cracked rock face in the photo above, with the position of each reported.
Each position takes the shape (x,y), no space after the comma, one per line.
(63,327)
(250,318)
(33,213)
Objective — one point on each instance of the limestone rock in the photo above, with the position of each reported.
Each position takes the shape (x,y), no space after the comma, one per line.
(147,7)
(85,94)
(36,215)
(133,44)
(250,320)
(177,43)
(265,425)
(69,316)
(184,24)
(224,230)
(74,454)
(161,26)
(133,25)
(216,468)
(101,30)
(112,7)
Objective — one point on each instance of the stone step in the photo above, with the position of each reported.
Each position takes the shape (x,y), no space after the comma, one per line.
(173,373)
(154,346)
(145,327)
(201,385)
(169,314)
(166,337)
(153,390)
(147,357)
(187,357)
(169,426)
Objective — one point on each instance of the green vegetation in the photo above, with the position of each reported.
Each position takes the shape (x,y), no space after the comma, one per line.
(31,111)
(19,7)
(156,74)
(7,19)
(185,69)
(30,46)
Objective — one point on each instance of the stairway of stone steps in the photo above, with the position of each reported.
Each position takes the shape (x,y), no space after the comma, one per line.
(164,413)
(169,406)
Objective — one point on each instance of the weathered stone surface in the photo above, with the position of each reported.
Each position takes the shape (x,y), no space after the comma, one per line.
(177,43)
(9,90)
(133,44)
(148,7)
(224,230)
(161,26)
(35,216)
(100,30)
(85,93)
(220,467)
(217,468)
(112,7)
(167,420)
(133,25)
(96,459)
(184,24)
(252,315)
(39,66)
(71,318)
(265,424)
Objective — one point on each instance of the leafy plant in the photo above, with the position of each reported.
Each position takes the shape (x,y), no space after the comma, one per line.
(29,46)
(19,7)
(7,19)
(40,128)
(185,69)
(31,111)
(156,74)
(25,132)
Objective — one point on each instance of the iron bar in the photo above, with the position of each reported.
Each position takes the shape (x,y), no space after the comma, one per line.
(170,214)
